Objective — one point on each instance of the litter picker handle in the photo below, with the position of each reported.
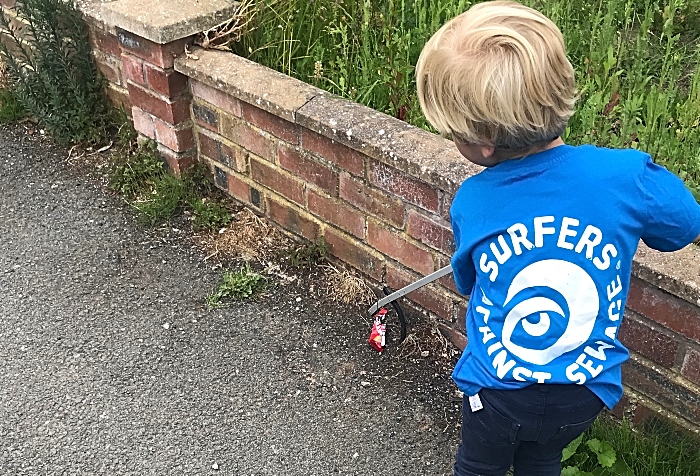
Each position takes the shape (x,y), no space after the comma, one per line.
(411,287)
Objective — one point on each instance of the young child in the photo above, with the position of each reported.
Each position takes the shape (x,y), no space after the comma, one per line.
(544,236)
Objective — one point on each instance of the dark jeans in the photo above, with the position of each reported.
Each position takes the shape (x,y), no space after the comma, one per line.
(526,428)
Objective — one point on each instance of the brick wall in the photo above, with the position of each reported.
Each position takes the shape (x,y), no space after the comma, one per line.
(376,189)
(379,192)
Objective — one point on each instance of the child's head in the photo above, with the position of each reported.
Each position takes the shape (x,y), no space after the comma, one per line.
(498,76)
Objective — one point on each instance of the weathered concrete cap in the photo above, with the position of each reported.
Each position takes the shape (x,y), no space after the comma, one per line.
(167,20)
(255,84)
(92,11)
(394,142)
(677,273)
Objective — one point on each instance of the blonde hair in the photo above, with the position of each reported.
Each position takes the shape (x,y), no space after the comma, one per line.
(497,75)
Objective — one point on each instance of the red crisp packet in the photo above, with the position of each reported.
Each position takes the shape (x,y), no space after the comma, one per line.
(377,338)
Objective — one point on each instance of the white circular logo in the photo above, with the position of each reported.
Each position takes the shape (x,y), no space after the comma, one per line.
(580,293)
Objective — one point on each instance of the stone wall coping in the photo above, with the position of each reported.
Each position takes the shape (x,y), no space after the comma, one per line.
(415,151)
(165,21)
(93,14)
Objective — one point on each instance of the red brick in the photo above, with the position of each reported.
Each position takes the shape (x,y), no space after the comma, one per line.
(133,69)
(256,141)
(665,309)
(430,232)
(461,315)
(143,122)
(647,341)
(103,41)
(205,117)
(292,220)
(397,247)
(216,98)
(109,70)
(623,406)
(691,366)
(178,162)
(643,413)
(120,98)
(427,297)
(352,252)
(456,336)
(278,127)
(168,83)
(371,200)
(447,281)
(233,158)
(305,168)
(172,112)
(238,188)
(162,56)
(174,138)
(446,205)
(413,190)
(273,178)
(337,213)
(661,389)
(344,157)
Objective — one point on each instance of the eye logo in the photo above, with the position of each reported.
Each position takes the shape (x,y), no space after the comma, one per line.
(580,293)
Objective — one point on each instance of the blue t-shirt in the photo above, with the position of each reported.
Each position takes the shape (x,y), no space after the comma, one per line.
(544,248)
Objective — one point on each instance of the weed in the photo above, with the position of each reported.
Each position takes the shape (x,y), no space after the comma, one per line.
(235,286)
(143,181)
(305,255)
(49,61)
(209,215)
(611,448)
(10,108)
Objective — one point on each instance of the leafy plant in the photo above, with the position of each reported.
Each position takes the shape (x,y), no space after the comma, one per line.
(10,108)
(48,58)
(596,453)
(306,255)
(235,286)
(209,215)
(144,182)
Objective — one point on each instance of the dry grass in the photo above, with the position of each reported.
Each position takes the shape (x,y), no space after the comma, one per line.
(221,36)
(348,288)
(247,237)
(425,341)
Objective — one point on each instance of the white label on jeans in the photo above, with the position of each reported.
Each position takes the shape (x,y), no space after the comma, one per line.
(475,403)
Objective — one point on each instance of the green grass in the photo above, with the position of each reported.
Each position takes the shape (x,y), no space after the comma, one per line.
(655,449)
(636,62)
(10,108)
(305,255)
(142,179)
(235,286)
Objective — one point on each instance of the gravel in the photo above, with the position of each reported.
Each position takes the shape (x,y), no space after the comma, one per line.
(111,364)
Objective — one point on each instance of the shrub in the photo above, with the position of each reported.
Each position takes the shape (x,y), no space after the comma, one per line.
(55,78)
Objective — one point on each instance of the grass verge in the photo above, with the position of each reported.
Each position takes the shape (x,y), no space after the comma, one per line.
(654,449)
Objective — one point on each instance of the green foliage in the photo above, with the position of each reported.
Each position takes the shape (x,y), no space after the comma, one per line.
(235,286)
(636,62)
(158,196)
(598,456)
(209,215)
(306,255)
(613,449)
(10,108)
(51,66)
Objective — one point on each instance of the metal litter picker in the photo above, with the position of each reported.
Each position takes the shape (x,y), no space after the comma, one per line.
(377,338)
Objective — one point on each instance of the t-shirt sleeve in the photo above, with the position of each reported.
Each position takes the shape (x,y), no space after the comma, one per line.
(463,270)
(672,216)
